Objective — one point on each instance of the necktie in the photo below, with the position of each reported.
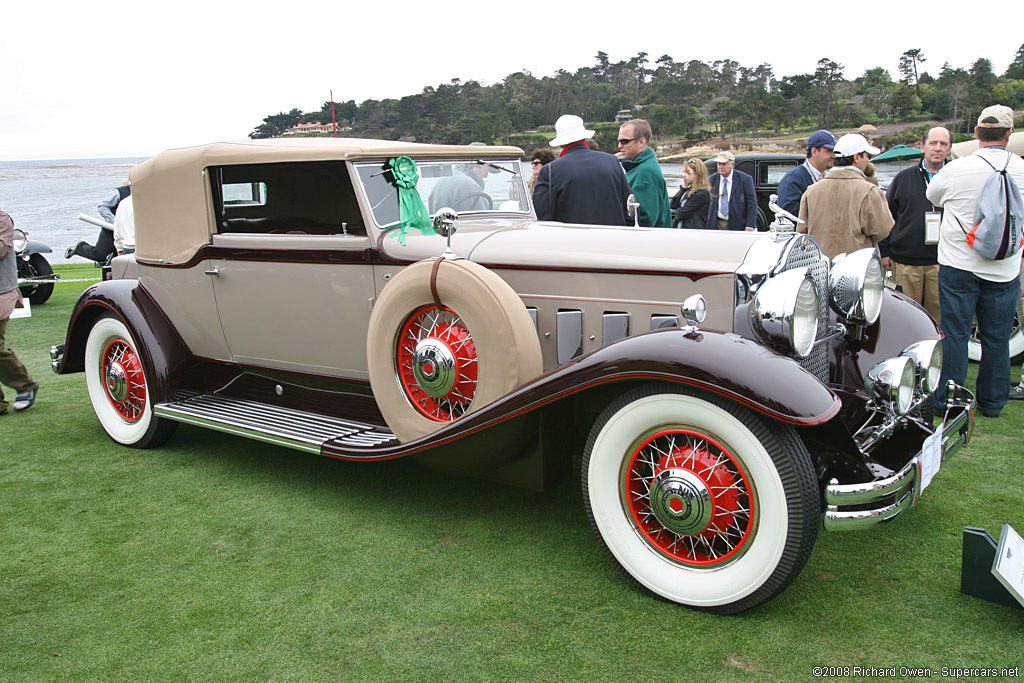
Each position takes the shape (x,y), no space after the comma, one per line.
(723,203)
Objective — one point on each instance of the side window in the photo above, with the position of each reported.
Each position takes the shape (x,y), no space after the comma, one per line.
(774,171)
(310,198)
(245,194)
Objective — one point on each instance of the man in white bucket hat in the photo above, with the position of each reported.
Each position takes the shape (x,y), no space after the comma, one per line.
(582,185)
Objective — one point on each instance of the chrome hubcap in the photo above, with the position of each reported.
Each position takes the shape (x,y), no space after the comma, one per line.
(434,367)
(681,502)
(117,381)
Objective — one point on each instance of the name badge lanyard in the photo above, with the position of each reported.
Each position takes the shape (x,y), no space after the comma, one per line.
(933,218)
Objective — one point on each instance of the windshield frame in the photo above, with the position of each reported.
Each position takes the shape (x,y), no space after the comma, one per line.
(504,183)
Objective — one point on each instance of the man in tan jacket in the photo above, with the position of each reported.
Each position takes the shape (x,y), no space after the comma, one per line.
(844,212)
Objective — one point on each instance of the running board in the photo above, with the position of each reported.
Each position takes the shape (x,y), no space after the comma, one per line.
(296,429)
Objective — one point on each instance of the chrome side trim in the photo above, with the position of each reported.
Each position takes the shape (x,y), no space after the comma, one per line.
(569,328)
(881,500)
(660,322)
(615,327)
(273,424)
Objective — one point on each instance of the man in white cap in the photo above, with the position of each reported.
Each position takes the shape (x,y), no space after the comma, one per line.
(970,285)
(733,199)
(844,212)
(581,185)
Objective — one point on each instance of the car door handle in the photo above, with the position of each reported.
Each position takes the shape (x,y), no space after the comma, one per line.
(215,271)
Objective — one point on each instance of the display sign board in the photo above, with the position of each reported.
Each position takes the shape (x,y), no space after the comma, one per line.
(1008,564)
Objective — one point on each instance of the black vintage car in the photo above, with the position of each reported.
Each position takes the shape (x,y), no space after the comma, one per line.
(767,170)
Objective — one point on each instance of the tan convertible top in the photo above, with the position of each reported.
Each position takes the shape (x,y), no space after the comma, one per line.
(173,204)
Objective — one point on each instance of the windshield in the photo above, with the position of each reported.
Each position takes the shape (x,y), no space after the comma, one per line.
(494,185)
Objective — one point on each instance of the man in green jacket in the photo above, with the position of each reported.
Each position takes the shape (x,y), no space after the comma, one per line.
(644,174)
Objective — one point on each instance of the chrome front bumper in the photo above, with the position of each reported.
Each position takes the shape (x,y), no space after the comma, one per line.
(879,501)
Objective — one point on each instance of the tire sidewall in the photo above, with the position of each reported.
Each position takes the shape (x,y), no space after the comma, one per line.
(696,587)
(104,331)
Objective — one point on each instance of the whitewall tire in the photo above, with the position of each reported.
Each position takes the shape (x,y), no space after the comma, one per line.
(117,387)
(699,500)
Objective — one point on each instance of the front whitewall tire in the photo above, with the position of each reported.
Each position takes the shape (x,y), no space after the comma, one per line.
(778,542)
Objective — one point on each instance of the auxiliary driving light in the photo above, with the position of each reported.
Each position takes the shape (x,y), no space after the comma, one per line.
(891,384)
(927,356)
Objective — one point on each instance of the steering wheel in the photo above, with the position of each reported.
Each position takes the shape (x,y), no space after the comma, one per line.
(475,195)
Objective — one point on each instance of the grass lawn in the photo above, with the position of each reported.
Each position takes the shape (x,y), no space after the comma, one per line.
(218,558)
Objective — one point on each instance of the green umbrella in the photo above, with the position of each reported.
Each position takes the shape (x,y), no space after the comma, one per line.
(899,153)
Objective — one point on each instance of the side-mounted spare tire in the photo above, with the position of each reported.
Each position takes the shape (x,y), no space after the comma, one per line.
(447,337)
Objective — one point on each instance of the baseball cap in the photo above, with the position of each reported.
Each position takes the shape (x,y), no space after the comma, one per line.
(854,143)
(996,116)
(724,157)
(821,138)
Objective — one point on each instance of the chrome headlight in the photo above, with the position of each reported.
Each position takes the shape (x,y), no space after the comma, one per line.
(20,241)
(891,384)
(855,286)
(784,312)
(927,357)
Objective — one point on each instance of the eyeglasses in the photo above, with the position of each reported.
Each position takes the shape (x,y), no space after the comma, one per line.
(537,162)
(693,161)
(626,141)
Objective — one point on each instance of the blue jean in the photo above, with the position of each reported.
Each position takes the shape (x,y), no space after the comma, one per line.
(963,296)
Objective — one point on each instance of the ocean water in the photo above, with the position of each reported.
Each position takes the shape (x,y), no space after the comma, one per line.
(45,197)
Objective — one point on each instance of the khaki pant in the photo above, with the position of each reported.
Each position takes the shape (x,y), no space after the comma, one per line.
(12,372)
(920,283)
(723,223)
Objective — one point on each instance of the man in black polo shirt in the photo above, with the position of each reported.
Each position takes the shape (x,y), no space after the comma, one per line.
(910,251)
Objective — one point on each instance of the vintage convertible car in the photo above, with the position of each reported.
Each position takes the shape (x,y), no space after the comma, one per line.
(729,393)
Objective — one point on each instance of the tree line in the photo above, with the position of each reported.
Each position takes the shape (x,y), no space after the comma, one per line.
(692,100)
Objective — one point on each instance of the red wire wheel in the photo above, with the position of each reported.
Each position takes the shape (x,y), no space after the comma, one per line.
(689,497)
(115,377)
(123,380)
(437,363)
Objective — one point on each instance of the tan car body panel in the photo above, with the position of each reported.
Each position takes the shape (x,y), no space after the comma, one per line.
(256,312)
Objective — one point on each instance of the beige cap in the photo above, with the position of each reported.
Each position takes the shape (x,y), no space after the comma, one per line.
(996,116)
(724,157)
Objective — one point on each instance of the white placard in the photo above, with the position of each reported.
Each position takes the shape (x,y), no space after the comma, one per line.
(931,227)
(931,457)
(23,312)
(1008,565)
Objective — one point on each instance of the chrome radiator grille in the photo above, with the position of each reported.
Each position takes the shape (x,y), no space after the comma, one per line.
(803,252)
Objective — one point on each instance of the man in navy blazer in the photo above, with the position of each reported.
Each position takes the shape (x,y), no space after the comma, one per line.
(582,185)
(740,211)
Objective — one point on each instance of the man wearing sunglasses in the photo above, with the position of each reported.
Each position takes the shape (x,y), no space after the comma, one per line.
(644,174)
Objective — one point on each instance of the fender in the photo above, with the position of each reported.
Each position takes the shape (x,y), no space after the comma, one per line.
(37,247)
(165,357)
(725,364)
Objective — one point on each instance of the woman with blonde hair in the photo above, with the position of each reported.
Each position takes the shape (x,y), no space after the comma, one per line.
(690,204)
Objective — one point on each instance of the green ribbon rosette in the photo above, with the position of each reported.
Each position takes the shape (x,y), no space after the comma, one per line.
(412,212)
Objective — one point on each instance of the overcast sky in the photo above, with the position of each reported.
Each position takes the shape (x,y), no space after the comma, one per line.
(89,79)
